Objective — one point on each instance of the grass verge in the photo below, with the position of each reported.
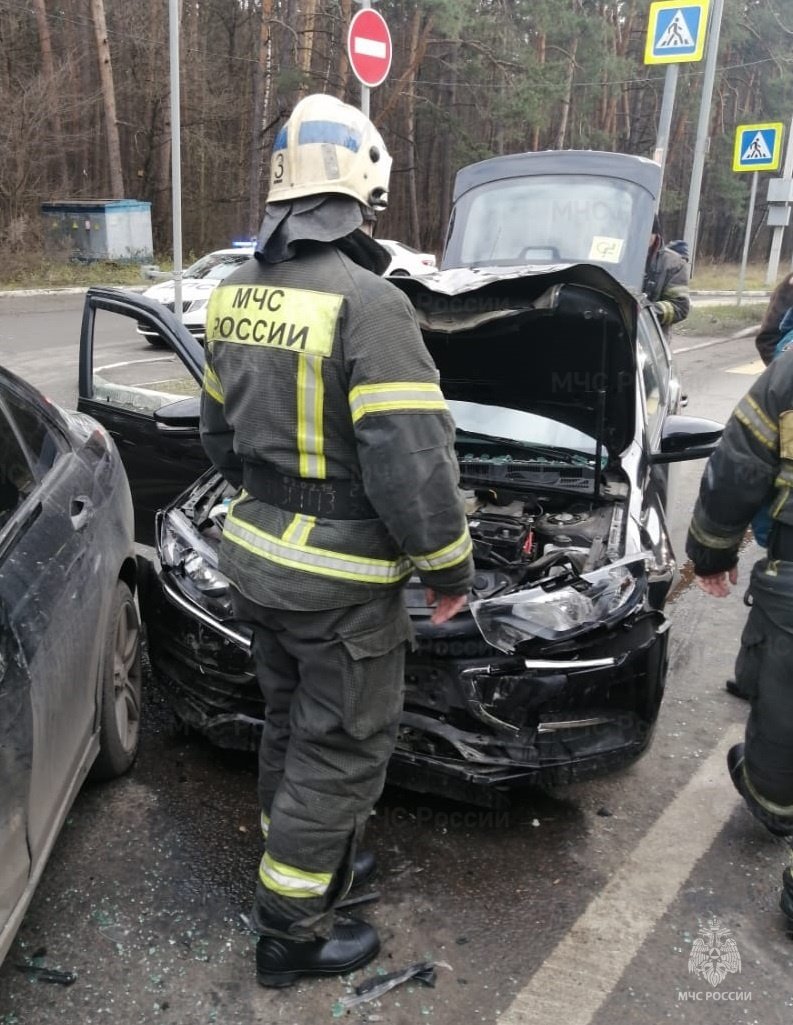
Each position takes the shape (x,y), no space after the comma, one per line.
(719,320)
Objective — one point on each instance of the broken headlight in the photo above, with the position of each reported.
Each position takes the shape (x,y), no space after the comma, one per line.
(187,554)
(557,608)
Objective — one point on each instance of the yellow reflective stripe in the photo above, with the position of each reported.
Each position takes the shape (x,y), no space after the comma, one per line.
(666,311)
(212,385)
(784,494)
(772,427)
(714,540)
(291,319)
(756,427)
(310,410)
(451,555)
(313,560)
(395,396)
(264,821)
(289,881)
(299,529)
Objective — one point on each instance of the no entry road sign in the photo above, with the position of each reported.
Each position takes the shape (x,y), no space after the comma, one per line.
(369,47)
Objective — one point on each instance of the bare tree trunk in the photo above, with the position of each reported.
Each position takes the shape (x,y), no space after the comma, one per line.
(48,69)
(306,45)
(567,99)
(410,128)
(343,69)
(109,98)
(261,95)
(160,121)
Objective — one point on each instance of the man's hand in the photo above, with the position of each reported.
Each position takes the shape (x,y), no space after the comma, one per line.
(448,605)
(718,584)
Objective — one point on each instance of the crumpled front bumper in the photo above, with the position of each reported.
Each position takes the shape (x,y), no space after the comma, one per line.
(470,723)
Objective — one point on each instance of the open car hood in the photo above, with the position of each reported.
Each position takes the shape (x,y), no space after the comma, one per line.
(556,206)
(556,341)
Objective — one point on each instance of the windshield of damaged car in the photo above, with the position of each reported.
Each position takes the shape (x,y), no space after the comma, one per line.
(545,219)
(516,427)
(216,267)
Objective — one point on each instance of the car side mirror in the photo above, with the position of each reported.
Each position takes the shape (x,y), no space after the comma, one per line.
(687,437)
(181,417)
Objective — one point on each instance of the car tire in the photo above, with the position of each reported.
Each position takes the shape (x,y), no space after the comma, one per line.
(400,272)
(121,687)
(156,342)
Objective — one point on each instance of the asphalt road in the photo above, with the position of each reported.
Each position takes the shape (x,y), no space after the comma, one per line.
(579,906)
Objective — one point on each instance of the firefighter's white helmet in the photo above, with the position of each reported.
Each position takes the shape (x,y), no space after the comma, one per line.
(329,146)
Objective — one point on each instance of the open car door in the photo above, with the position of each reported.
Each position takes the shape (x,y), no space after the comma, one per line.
(148,399)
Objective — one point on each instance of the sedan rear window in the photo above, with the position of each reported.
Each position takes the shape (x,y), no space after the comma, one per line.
(546,219)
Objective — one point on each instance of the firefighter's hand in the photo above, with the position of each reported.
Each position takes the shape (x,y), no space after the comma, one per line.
(718,584)
(448,605)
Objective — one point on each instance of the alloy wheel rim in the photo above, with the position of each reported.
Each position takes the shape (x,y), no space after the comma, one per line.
(126,677)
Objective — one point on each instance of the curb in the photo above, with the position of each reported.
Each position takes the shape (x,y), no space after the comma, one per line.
(25,293)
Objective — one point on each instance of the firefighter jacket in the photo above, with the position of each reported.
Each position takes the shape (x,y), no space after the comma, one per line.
(666,284)
(770,332)
(316,371)
(752,464)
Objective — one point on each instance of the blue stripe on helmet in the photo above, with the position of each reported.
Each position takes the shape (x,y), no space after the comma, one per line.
(280,140)
(329,131)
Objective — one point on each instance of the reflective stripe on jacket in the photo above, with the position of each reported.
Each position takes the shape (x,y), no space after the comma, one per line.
(753,461)
(316,367)
(666,285)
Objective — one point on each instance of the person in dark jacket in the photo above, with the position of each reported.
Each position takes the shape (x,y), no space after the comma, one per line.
(771,330)
(666,280)
(754,462)
(322,403)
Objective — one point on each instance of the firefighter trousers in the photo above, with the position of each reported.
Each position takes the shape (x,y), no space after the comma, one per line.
(333,686)
(763,672)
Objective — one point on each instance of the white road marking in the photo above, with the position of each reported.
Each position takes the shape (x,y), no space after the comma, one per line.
(700,345)
(752,369)
(370,47)
(581,972)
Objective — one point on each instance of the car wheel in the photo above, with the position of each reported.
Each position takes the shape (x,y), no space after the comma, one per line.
(156,341)
(400,272)
(120,688)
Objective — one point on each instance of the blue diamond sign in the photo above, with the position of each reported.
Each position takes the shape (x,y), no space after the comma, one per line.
(676,32)
(758,147)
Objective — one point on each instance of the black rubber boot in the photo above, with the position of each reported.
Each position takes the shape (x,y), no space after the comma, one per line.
(786,898)
(732,687)
(351,945)
(364,867)
(776,824)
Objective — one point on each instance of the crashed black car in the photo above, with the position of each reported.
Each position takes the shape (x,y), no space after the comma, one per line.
(567,411)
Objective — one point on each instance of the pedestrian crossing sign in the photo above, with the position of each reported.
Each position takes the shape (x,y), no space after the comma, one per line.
(757,147)
(676,31)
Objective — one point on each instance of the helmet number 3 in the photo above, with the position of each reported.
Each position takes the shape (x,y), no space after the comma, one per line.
(278,167)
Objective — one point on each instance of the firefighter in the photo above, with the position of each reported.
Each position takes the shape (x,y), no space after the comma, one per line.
(754,460)
(322,403)
(666,280)
(771,330)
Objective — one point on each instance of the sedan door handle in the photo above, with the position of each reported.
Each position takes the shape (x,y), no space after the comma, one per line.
(80,511)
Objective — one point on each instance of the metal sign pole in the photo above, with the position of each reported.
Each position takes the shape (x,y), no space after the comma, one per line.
(747,238)
(665,121)
(703,125)
(176,156)
(365,90)
(779,232)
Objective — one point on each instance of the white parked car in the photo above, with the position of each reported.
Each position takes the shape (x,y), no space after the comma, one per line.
(198,282)
(405,260)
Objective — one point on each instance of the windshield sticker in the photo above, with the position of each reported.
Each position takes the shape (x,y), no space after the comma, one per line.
(605,249)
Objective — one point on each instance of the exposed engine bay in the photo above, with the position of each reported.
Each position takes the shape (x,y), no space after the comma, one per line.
(519,540)
(519,537)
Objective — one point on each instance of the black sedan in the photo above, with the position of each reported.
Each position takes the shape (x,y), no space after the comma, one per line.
(567,409)
(70,679)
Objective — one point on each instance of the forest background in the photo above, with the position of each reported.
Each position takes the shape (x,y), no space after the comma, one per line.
(84,104)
